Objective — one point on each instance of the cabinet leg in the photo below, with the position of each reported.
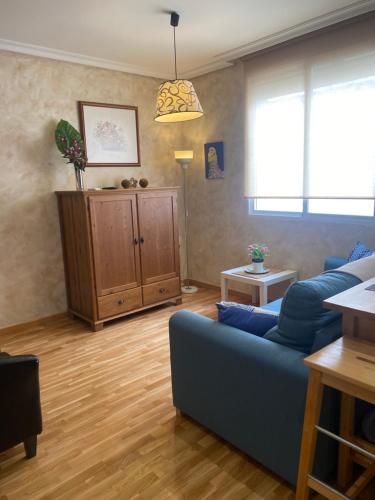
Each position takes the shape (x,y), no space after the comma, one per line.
(30,446)
(96,327)
(178,302)
(309,435)
(345,467)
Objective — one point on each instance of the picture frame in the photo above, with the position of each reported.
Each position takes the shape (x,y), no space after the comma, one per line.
(214,160)
(110,133)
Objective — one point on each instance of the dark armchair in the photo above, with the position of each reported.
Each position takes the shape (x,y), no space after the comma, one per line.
(20,411)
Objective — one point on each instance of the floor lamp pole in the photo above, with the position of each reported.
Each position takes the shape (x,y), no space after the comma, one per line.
(187,288)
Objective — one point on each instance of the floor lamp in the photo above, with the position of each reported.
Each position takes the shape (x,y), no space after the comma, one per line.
(184,158)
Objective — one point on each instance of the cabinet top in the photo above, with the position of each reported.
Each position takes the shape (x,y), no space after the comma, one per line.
(99,192)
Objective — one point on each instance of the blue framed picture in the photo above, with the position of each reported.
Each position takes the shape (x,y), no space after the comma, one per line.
(214,160)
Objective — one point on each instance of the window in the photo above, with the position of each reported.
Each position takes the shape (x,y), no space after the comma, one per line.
(311,131)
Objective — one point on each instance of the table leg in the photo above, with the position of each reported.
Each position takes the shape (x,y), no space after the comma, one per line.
(345,466)
(224,288)
(309,435)
(254,295)
(263,295)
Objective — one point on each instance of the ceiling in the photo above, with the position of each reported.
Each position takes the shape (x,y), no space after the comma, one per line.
(135,35)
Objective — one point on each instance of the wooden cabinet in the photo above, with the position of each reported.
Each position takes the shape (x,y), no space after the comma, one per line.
(121,251)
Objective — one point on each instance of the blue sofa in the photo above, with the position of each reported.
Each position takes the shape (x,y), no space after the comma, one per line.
(249,390)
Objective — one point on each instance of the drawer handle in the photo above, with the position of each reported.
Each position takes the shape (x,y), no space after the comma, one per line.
(121,301)
(163,290)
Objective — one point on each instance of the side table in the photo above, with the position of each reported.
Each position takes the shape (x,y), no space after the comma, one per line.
(260,281)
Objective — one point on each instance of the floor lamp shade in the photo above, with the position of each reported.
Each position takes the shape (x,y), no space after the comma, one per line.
(177,101)
(183,157)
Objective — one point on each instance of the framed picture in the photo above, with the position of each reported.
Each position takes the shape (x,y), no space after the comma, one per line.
(214,160)
(110,132)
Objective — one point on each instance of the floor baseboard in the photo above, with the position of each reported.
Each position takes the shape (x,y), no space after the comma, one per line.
(28,325)
(42,322)
(237,296)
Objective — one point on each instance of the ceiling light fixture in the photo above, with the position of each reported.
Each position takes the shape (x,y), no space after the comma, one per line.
(177,100)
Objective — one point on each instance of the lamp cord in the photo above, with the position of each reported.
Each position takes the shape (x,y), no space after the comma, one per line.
(175,52)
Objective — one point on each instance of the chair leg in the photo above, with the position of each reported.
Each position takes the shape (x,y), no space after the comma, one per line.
(30,446)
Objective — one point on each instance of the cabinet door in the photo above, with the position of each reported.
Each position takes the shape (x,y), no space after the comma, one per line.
(158,232)
(114,230)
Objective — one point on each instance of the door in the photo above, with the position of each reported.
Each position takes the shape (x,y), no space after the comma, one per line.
(114,229)
(158,236)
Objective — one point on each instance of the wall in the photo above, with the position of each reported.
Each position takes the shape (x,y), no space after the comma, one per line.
(35,94)
(221,227)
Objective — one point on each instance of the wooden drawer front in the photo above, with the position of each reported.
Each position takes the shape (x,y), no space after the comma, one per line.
(117,303)
(161,290)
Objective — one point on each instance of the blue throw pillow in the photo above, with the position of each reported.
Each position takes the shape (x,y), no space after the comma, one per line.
(247,318)
(359,251)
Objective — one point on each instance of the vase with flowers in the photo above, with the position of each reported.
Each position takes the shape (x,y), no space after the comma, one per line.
(70,143)
(258,252)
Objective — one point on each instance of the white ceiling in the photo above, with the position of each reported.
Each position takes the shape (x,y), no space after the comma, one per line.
(135,35)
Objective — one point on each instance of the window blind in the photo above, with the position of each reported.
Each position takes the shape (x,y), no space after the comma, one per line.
(311,118)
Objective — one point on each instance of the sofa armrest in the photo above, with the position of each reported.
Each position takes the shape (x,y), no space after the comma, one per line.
(20,415)
(333,262)
(200,333)
(247,389)
(204,351)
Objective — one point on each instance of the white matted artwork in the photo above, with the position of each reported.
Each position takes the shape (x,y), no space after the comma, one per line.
(110,132)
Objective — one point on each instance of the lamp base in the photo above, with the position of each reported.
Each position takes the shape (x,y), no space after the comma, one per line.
(189,289)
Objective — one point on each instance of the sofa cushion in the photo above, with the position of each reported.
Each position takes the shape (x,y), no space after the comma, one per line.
(248,318)
(359,251)
(333,262)
(302,313)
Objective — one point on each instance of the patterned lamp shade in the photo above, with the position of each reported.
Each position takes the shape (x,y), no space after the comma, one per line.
(177,101)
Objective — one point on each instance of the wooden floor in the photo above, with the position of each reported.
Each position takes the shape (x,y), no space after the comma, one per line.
(110,429)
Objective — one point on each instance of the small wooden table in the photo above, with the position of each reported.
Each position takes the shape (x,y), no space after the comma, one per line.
(260,281)
(357,306)
(349,366)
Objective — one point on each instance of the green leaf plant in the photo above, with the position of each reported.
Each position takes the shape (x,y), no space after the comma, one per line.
(70,144)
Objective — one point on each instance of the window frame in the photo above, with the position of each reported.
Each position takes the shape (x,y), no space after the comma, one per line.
(306,215)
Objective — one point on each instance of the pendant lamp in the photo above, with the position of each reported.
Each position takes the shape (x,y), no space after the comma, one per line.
(177,100)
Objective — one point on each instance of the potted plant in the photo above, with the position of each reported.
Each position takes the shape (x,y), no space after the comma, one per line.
(258,252)
(70,143)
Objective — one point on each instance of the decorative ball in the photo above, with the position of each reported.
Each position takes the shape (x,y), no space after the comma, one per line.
(133,182)
(125,184)
(143,182)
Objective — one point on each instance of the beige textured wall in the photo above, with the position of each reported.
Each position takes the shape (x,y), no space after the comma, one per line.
(34,94)
(221,227)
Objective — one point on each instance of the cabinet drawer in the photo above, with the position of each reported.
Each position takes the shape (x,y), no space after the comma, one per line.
(117,303)
(161,290)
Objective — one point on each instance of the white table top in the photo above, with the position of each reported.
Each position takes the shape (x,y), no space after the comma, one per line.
(273,276)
